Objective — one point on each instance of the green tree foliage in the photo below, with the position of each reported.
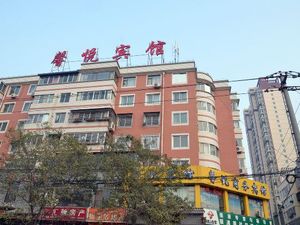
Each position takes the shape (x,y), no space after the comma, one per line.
(44,169)
(143,183)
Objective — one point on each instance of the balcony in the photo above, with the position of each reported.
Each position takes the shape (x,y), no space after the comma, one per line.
(91,115)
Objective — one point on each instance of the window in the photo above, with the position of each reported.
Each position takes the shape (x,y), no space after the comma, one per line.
(89,115)
(153,99)
(212,199)
(207,126)
(180,141)
(180,97)
(151,142)
(44,98)
(206,106)
(151,119)
(31,89)
(125,120)
(21,124)
(209,149)
(128,82)
(2,87)
(60,117)
(181,162)
(94,95)
(26,106)
(256,208)
(97,76)
(8,107)
(204,87)
(38,118)
(179,78)
(65,97)
(236,124)
(14,90)
(127,100)
(186,192)
(58,79)
(179,118)
(235,106)
(153,79)
(3,126)
(239,142)
(90,138)
(236,204)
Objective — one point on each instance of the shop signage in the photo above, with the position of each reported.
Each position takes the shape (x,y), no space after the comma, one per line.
(64,213)
(213,217)
(236,184)
(106,215)
(122,51)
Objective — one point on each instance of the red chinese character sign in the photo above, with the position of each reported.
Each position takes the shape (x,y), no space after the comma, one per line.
(59,60)
(90,55)
(157,49)
(122,51)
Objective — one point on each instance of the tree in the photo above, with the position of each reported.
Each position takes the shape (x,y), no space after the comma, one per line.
(143,183)
(44,169)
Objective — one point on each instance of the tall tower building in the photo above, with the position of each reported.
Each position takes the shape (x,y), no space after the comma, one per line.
(270,140)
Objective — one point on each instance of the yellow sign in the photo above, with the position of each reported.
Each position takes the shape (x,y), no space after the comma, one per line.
(222,180)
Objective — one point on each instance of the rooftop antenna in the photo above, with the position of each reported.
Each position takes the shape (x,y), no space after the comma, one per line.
(176,53)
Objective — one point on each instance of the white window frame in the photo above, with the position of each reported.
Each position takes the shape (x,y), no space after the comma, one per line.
(4,121)
(120,105)
(152,93)
(180,134)
(181,159)
(24,105)
(135,78)
(31,93)
(60,113)
(151,85)
(152,135)
(181,82)
(180,124)
(8,103)
(125,126)
(187,97)
(14,93)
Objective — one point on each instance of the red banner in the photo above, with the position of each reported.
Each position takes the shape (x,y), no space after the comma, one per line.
(106,215)
(64,213)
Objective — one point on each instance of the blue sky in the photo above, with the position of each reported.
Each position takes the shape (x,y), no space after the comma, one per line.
(229,39)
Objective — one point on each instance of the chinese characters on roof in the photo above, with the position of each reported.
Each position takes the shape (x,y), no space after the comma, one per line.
(122,51)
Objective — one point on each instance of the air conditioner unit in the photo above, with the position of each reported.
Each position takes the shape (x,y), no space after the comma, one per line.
(156,85)
(13,95)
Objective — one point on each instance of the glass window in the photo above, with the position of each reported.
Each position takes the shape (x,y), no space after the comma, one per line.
(21,124)
(235,106)
(153,99)
(236,204)
(125,120)
(65,97)
(127,100)
(31,89)
(180,97)
(239,142)
(151,119)
(90,138)
(3,126)
(26,106)
(58,79)
(44,98)
(256,207)
(179,78)
(97,76)
(8,108)
(202,105)
(94,95)
(212,199)
(128,82)
(187,193)
(181,162)
(151,142)
(38,118)
(2,87)
(60,117)
(179,118)
(153,80)
(180,141)
(14,90)
(204,87)
(236,124)
(209,149)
